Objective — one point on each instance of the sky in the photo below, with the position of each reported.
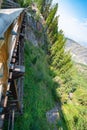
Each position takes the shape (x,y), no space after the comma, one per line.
(73,19)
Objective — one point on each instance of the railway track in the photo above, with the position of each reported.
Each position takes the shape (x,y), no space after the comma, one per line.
(12,28)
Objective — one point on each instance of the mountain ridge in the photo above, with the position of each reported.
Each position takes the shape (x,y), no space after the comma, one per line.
(77,51)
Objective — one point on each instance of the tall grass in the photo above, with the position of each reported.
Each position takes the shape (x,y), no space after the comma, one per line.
(37,91)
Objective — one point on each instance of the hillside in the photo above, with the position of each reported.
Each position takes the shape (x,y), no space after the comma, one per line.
(47,105)
(54,90)
(78,52)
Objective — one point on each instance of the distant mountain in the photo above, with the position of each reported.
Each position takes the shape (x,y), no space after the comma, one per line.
(78,52)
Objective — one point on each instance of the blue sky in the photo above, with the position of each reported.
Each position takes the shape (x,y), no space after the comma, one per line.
(73,19)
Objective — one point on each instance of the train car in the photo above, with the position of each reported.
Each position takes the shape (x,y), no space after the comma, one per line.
(12,26)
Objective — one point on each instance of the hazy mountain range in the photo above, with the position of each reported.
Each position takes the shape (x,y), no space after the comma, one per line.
(78,52)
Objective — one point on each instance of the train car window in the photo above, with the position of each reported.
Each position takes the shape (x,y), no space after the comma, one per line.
(1,70)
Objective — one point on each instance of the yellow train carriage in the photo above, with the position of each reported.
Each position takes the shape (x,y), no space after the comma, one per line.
(10,22)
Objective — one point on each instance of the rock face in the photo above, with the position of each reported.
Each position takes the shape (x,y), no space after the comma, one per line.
(34,30)
(78,52)
(52,115)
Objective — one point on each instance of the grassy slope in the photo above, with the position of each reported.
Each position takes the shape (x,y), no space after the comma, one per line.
(38,97)
(39,89)
(75,111)
(37,92)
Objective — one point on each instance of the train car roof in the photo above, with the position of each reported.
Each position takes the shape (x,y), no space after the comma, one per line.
(7,16)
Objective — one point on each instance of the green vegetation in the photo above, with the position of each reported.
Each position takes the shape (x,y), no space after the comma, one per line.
(74,109)
(37,91)
(59,81)
(71,81)
(24,3)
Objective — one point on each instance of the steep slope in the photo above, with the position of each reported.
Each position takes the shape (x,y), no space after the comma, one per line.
(37,91)
(78,52)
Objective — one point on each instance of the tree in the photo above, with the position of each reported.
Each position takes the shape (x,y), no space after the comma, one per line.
(44,7)
(53,30)
(59,58)
(51,15)
(24,3)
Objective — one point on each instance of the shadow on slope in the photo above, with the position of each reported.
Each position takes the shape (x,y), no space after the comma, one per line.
(39,93)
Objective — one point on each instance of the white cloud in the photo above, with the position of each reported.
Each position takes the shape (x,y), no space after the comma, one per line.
(73,28)
(85,22)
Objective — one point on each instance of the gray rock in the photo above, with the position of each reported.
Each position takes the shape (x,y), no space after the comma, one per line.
(78,52)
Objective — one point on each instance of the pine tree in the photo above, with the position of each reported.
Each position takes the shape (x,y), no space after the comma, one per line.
(51,15)
(44,7)
(60,60)
(53,26)
(53,30)
(24,3)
